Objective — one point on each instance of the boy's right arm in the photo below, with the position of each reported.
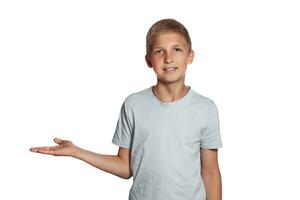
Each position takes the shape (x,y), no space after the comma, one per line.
(118,165)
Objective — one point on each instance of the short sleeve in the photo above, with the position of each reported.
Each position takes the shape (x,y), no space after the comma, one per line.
(211,138)
(123,131)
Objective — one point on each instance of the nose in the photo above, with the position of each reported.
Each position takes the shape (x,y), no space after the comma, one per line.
(168,58)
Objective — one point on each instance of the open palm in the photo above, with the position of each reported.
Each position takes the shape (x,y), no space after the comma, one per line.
(64,148)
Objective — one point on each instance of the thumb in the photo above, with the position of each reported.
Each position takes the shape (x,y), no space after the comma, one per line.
(57,140)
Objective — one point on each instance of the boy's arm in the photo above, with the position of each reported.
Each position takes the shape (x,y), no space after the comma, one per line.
(210,173)
(118,165)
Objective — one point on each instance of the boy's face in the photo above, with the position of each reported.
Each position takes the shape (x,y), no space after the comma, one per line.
(170,50)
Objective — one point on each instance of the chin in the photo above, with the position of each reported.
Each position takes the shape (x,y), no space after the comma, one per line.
(168,81)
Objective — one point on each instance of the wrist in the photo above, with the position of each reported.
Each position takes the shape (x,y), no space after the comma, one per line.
(76,152)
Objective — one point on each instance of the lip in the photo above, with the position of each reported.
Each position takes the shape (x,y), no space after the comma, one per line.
(170,71)
(165,69)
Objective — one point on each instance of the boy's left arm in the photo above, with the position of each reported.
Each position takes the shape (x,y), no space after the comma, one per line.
(210,173)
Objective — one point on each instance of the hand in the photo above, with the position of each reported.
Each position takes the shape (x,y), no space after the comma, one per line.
(64,148)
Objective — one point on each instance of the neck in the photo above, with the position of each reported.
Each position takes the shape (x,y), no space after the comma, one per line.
(170,92)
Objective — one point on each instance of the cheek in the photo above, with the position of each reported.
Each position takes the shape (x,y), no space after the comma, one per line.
(180,60)
(181,57)
(157,60)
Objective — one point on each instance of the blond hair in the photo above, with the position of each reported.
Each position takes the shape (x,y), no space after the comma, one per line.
(165,26)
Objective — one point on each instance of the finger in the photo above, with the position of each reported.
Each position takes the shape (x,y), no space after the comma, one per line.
(55,147)
(36,149)
(45,151)
(58,140)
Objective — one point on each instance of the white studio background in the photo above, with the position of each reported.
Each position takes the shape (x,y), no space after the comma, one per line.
(67,66)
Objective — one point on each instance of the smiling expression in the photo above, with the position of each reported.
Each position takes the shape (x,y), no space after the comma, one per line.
(169,57)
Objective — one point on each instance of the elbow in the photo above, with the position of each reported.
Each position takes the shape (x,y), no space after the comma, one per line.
(126,173)
(211,178)
(207,174)
(126,176)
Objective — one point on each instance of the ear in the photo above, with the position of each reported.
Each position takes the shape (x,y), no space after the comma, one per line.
(148,61)
(191,56)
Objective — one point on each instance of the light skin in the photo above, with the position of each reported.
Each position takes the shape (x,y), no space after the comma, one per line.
(169,50)
(115,164)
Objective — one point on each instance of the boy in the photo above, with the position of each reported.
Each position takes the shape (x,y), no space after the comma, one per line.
(167,134)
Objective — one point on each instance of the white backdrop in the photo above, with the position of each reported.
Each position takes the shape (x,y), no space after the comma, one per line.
(66,67)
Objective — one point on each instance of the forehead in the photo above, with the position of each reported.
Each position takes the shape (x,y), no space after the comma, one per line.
(169,39)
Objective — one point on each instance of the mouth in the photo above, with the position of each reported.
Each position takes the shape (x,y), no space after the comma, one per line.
(170,69)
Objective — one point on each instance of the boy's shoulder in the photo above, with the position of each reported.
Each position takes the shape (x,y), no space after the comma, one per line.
(136,97)
(199,98)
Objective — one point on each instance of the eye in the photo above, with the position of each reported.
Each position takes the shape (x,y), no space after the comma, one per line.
(158,51)
(178,50)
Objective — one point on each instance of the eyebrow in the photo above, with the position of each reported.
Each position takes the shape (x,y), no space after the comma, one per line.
(176,45)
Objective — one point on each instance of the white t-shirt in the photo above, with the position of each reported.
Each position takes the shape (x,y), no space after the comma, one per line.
(165,140)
